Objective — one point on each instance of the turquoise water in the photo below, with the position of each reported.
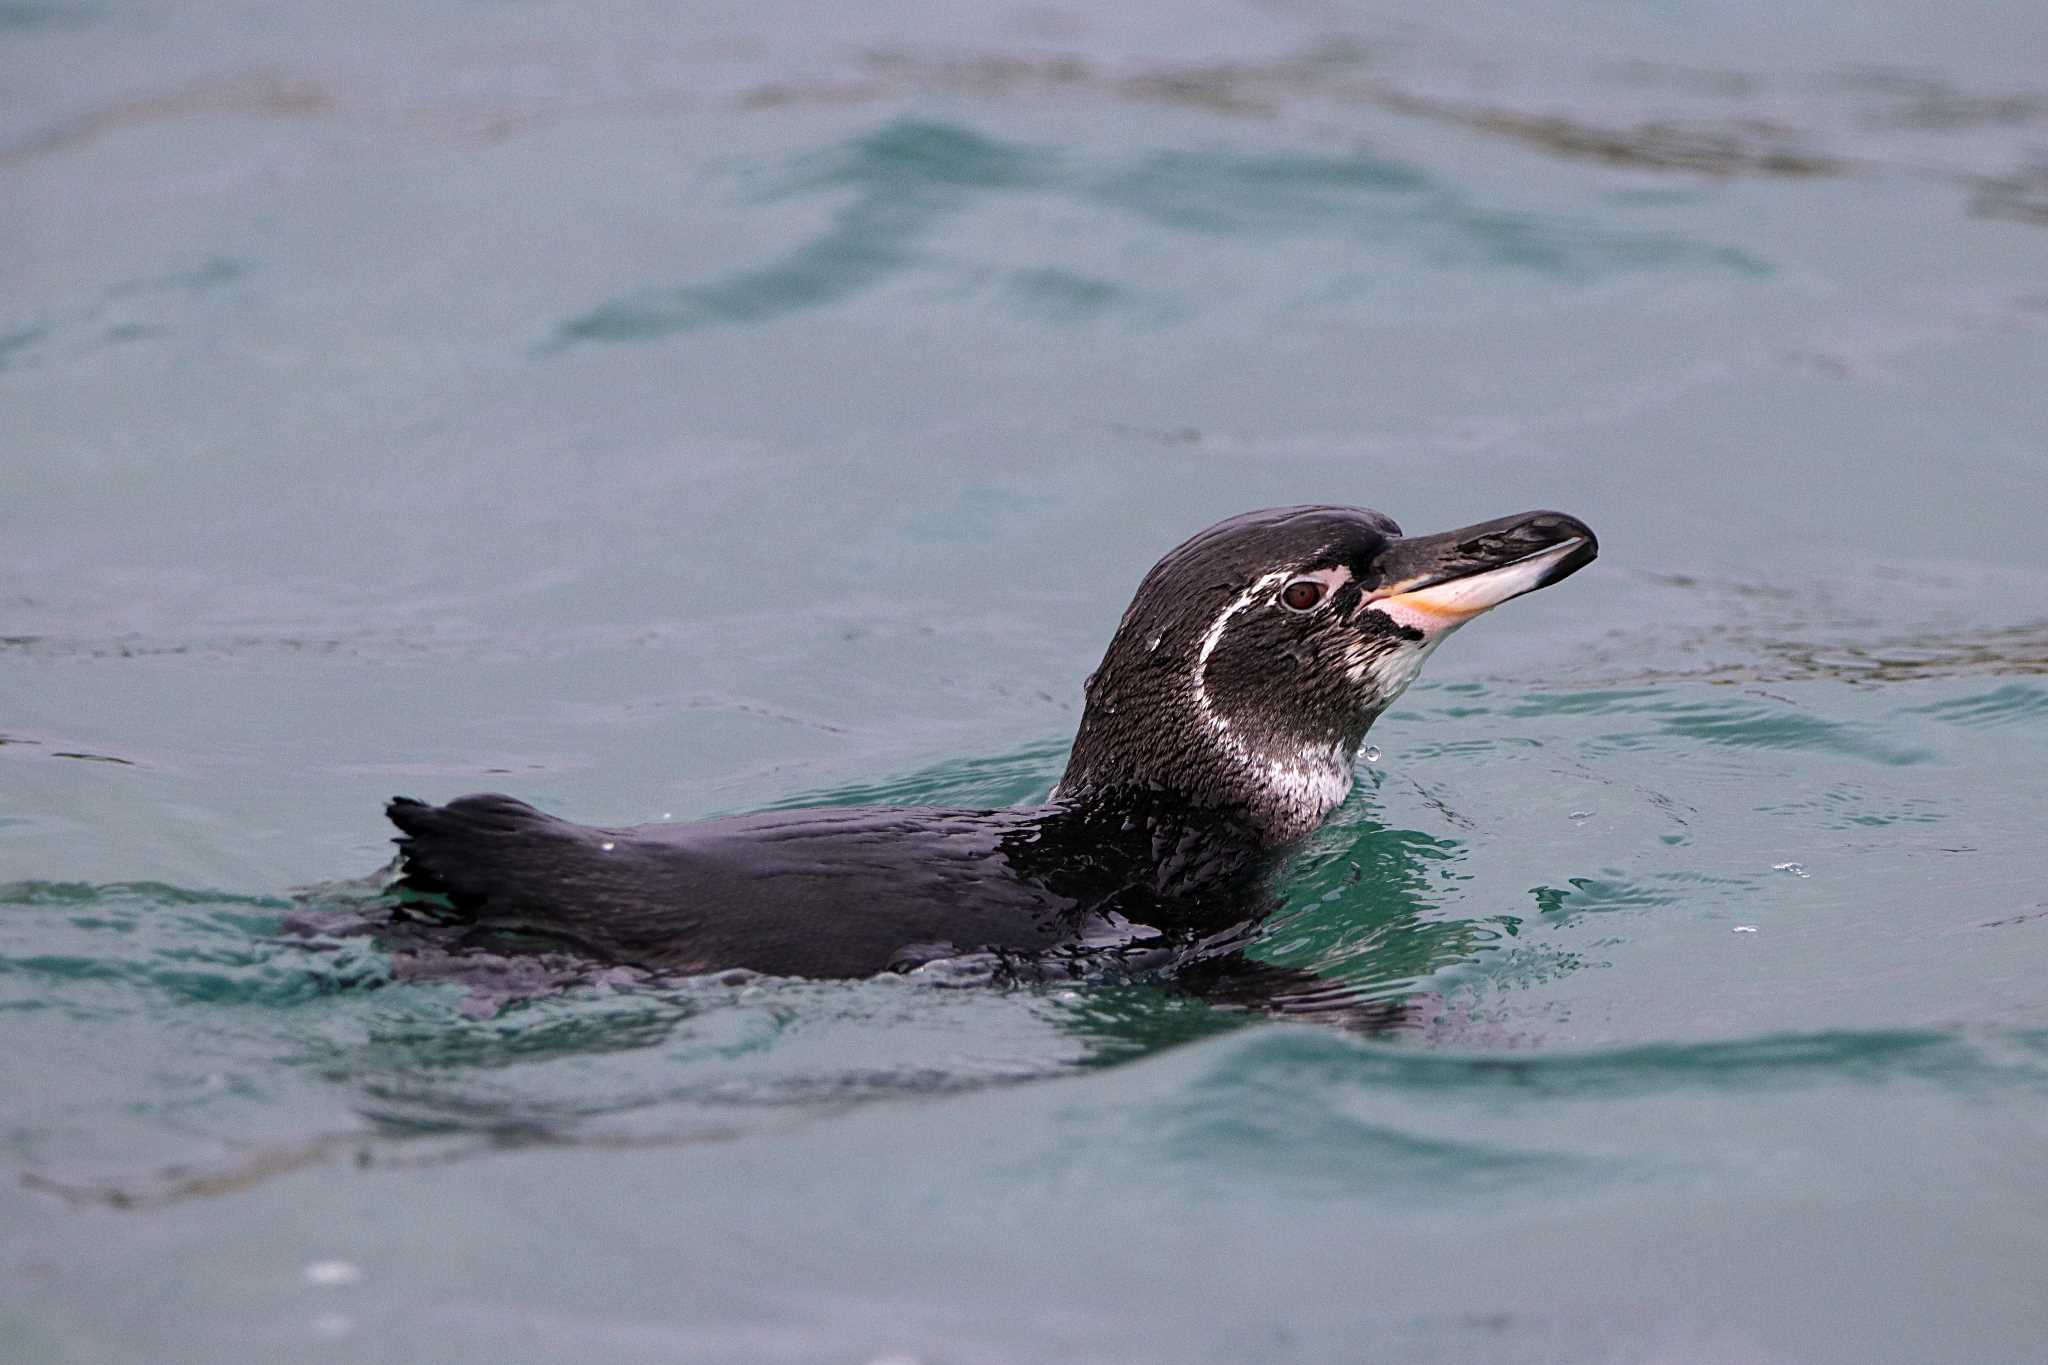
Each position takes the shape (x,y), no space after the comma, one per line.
(655,414)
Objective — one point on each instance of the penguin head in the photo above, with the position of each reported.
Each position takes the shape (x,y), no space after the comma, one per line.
(1255,655)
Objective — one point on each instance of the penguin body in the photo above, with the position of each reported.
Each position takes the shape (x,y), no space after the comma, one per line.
(1219,730)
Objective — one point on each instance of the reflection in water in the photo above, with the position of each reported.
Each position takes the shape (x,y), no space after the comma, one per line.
(905,177)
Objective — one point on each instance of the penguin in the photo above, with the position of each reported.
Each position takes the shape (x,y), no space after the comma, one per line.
(1219,731)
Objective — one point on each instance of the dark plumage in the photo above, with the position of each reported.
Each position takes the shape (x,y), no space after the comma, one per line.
(1220,728)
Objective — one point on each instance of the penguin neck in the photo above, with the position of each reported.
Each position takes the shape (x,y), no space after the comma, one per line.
(1277,786)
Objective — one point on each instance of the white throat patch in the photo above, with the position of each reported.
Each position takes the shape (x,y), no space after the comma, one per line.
(1391,670)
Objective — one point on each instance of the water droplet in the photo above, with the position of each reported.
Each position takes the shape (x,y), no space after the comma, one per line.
(1371,753)
(332,1272)
(1155,643)
(607,845)
(1796,869)
(1745,928)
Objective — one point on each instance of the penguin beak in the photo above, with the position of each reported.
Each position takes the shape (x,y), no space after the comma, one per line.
(1437,583)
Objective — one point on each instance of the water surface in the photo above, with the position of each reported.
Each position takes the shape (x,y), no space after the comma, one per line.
(656,415)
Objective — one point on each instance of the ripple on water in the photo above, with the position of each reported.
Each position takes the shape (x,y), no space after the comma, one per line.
(1321,1111)
(1242,195)
(1052,294)
(905,178)
(1742,721)
(142,309)
(1016,778)
(2012,704)
(1360,907)
(910,175)
(197,947)
(1852,805)
(207,1019)
(1617,891)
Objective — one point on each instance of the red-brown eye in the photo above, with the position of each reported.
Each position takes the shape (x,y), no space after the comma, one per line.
(1302,594)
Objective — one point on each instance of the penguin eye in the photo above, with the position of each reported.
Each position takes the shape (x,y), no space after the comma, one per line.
(1302,594)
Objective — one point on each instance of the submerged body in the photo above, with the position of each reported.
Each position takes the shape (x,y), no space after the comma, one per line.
(1220,729)
(842,891)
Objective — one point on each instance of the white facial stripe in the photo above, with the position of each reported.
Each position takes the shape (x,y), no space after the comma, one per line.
(1214,634)
(1316,779)
(1446,606)
(1331,579)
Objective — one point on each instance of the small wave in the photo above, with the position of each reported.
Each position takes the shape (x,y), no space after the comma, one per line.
(1316,1110)
(906,176)
(1743,722)
(1315,1062)
(909,175)
(1852,805)
(198,947)
(2013,704)
(1011,779)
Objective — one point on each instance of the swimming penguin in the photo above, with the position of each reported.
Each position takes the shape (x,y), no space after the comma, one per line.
(1219,731)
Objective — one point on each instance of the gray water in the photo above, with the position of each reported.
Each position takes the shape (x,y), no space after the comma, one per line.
(656,412)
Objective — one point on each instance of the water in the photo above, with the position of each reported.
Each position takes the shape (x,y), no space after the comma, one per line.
(657,414)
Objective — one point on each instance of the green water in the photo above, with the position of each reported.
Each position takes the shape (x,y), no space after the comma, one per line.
(654,414)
